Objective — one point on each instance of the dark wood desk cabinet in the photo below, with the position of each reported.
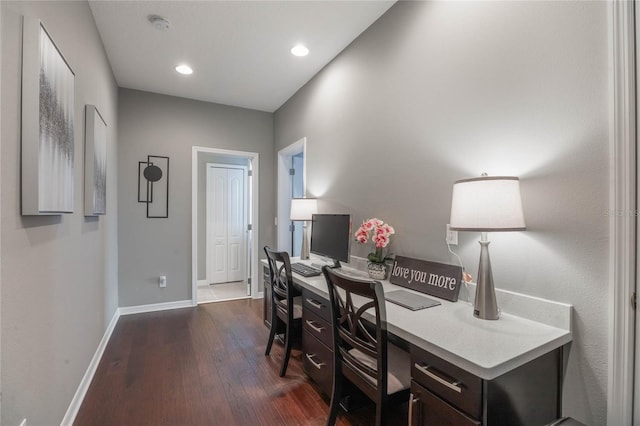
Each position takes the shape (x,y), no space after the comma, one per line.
(443,394)
(317,340)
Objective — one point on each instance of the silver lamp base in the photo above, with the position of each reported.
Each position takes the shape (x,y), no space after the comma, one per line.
(304,250)
(485,305)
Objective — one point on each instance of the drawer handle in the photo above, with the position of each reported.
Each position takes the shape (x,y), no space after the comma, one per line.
(451,385)
(315,304)
(412,401)
(317,365)
(316,329)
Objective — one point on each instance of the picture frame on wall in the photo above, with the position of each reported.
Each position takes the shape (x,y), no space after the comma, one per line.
(95,163)
(47,124)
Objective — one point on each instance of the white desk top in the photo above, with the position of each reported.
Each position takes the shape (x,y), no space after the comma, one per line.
(485,348)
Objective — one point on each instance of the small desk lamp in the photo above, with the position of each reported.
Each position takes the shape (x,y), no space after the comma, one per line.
(486,204)
(303,209)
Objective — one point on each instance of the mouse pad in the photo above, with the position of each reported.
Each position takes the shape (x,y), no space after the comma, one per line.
(410,300)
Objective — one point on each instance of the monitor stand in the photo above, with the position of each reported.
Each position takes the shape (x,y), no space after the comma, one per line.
(336,264)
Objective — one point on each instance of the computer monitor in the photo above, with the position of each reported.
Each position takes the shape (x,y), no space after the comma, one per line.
(331,236)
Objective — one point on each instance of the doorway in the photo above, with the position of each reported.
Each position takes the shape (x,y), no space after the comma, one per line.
(292,166)
(226,233)
(623,389)
(297,191)
(224,204)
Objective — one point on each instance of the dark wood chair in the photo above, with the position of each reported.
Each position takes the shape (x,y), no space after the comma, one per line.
(362,353)
(286,304)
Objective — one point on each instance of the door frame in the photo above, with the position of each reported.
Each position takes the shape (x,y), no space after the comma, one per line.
(284,190)
(246,216)
(253,219)
(622,216)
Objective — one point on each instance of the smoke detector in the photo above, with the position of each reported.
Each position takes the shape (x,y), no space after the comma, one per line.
(158,22)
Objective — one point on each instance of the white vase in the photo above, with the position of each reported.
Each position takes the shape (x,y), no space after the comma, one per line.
(377,271)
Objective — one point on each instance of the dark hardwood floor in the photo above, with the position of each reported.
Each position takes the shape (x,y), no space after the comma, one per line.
(205,366)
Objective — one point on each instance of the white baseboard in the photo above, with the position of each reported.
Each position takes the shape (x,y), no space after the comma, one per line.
(202,283)
(128,310)
(76,402)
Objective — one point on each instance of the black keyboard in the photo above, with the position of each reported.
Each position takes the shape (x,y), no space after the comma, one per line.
(305,270)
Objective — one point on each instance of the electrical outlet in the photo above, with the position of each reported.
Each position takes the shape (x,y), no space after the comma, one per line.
(451,236)
(162,281)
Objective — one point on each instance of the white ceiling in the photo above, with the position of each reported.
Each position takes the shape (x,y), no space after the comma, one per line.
(239,50)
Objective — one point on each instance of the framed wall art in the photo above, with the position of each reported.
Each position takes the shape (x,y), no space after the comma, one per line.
(47,124)
(95,163)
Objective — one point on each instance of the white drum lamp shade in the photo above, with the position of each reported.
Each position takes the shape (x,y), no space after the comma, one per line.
(303,208)
(487,204)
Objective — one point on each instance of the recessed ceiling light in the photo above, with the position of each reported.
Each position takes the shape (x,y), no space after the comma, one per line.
(184,69)
(299,50)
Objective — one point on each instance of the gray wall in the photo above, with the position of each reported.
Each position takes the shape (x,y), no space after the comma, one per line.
(438,91)
(164,125)
(203,159)
(59,288)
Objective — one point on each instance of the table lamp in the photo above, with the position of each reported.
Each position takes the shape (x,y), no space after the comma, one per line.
(486,204)
(303,209)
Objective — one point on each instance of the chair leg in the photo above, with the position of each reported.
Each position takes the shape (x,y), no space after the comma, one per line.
(287,350)
(336,396)
(381,412)
(272,335)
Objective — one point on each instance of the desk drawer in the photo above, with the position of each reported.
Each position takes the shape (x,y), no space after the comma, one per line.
(426,409)
(317,362)
(316,304)
(453,384)
(317,327)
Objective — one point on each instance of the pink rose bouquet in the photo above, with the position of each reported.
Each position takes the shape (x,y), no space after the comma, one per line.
(380,234)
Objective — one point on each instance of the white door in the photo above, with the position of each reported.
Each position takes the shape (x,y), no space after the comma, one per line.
(236,226)
(226,224)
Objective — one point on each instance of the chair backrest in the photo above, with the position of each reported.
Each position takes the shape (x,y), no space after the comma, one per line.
(281,280)
(352,331)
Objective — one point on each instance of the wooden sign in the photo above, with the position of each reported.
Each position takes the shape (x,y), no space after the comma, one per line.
(435,279)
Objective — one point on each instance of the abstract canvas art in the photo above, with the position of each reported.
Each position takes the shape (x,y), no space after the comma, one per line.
(47,124)
(95,163)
